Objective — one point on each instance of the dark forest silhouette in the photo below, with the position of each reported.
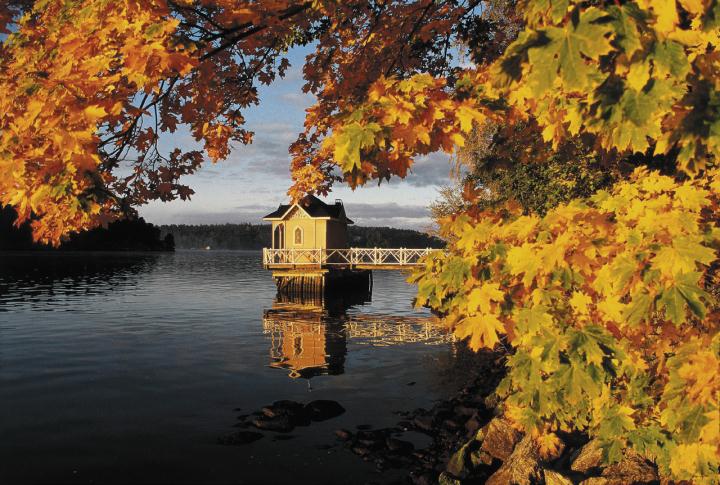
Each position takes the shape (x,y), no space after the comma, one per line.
(123,235)
(257,236)
(139,235)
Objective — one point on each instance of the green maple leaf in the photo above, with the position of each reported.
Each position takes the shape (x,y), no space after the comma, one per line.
(692,293)
(556,9)
(669,57)
(616,422)
(648,441)
(455,273)
(584,344)
(625,22)
(638,309)
(685,291)
(635,115)
(575,381)
(352,138)
(674,304)
(532,320)
(691,423)
(612,451)
(563,51)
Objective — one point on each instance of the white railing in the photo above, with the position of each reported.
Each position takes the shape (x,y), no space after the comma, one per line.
(345,257)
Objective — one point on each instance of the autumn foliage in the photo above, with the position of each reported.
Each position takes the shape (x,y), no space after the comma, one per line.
(606,303)
(599,299)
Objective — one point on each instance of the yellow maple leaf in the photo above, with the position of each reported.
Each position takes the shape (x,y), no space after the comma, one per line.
(688,458)
(467,115)
(654,183)
(482,330)
(548,445)
(612,309)
(701,375)
(710,433)
(580,303)
(695,7)
(666,16)
(692,197)
(523,259)
(638,75)
(480,298)
(682,256)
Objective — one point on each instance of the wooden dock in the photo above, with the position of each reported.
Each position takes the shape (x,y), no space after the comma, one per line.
(348,259)
(312,271)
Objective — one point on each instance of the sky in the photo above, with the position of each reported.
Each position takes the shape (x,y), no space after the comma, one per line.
(254,179)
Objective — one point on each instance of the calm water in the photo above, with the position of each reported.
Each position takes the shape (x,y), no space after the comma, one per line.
(117,368)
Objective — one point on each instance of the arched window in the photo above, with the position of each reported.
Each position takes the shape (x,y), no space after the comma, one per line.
(279,237)
(298,236)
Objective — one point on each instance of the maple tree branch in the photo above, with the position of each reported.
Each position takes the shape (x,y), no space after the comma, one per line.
(290,12)
(414,29)
(199,13)
(129,133)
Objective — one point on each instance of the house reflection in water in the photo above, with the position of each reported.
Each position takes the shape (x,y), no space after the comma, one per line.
(309,335)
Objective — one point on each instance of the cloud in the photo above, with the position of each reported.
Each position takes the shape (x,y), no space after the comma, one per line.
(255,177)
(251,214)
(387,210)
(299,99)
(266,155)
(389,214)
(430,170)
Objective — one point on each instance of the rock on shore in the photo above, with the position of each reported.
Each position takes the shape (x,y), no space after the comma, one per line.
(472,443)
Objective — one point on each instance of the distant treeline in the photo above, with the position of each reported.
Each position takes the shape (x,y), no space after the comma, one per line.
(138,235)
(219,236)
(124,235)
(256,236)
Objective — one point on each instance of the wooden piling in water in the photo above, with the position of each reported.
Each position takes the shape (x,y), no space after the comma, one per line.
(294,282)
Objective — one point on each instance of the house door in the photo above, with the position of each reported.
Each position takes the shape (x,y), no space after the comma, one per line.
(279,237)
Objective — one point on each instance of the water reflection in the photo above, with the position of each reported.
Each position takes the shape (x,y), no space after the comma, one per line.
(117,367)
(309,334)
(50,278)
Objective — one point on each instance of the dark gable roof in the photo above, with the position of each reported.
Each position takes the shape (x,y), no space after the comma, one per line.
(314,207)
(278,213)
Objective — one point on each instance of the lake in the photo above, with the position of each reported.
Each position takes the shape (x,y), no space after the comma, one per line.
(119,368)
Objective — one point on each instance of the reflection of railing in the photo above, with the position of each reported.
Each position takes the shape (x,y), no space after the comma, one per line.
(351,257)
(374,330)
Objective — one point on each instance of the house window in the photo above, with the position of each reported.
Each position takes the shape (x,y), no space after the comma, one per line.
(279,237)
(298,235)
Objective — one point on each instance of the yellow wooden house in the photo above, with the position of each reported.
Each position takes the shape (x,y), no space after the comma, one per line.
(309,224)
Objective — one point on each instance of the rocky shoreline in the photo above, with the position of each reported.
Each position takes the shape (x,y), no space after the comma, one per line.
(281,417)
(470,442)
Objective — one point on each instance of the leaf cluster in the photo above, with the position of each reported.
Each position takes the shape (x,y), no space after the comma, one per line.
(604,304)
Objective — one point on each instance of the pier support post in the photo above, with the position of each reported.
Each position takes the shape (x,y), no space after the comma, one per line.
(294,282)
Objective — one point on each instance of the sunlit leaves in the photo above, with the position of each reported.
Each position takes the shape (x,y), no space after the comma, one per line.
(57,71)
(605,301)
(399,120)
(349,140)
(88,87)
(632,75)
(561,53)
(591,296)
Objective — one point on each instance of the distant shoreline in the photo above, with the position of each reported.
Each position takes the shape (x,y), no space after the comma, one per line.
(250,237)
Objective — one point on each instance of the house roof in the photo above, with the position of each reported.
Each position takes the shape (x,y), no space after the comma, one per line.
(313,207)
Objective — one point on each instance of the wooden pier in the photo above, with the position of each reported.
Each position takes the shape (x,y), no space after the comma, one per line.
(351,258)
(299,271)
